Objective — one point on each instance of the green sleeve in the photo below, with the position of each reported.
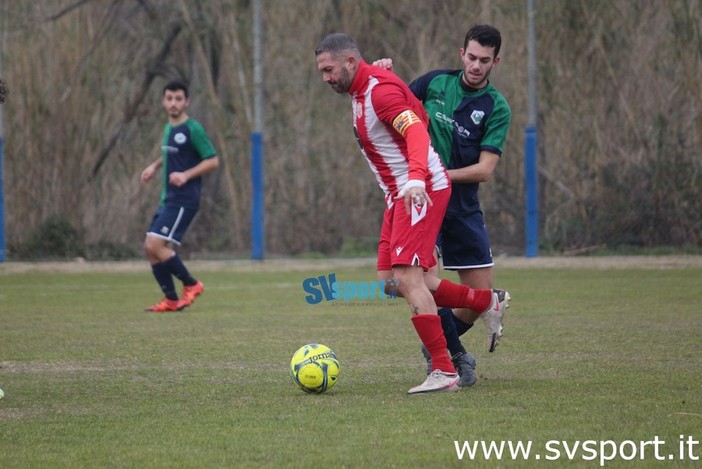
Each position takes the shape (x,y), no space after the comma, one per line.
(497,126)
(201,141)
(164,162)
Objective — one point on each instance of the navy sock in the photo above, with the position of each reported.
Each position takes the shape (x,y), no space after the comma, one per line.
(461,327)
(453,343)
(165,280)
(177,268)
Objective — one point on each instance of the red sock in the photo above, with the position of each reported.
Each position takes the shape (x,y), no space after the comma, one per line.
(452,295)
(428,327)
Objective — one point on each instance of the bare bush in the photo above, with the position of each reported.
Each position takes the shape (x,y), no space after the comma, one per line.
(619,116)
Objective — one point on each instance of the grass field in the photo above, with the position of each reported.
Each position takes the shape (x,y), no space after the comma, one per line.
(90,380)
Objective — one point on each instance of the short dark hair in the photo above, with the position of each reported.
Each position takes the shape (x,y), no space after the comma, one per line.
(335,43)
(485,35)
(176,85)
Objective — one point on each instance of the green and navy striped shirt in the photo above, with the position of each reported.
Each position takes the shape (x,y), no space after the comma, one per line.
(463,122)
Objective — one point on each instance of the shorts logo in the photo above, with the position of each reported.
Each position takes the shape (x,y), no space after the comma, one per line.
(398,250)
(477,116)
(164,230)
(179,138)
(419,211)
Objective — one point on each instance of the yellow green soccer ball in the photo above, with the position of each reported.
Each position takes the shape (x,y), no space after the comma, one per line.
(315,368)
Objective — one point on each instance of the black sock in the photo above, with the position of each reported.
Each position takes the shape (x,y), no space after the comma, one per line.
(164,279)
(453,343)
(461,326)
(177,268)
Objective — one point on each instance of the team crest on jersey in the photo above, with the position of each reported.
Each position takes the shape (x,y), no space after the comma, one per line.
(357,110)
(477,116)
(179,138)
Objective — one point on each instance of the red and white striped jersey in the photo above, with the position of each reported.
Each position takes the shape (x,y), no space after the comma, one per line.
(378,97)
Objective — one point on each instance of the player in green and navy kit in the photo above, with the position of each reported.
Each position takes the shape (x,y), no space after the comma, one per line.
(186,155)
(469,120)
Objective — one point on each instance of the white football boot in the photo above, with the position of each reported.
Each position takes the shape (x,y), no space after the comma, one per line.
(493,316)
(437,381)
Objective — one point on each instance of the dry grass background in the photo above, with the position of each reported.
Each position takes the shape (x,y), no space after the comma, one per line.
(620,121)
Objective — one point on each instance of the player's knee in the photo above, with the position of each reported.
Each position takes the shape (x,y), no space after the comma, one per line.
(152,247)
(403,284)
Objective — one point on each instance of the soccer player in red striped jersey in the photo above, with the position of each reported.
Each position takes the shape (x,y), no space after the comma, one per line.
(391,128)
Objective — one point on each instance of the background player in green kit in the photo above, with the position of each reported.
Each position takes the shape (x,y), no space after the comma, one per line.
(186,155)
(469,120)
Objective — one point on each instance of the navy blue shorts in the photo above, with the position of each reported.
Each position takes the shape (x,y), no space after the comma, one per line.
(170,222)
(463,241)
